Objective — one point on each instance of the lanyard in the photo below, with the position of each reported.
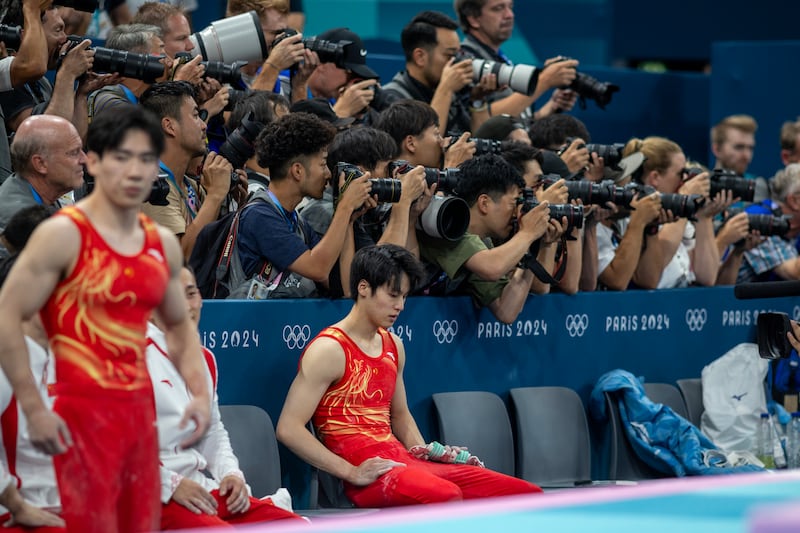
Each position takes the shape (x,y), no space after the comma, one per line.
(189,198)
(36,195)
(292,221)
(129,95)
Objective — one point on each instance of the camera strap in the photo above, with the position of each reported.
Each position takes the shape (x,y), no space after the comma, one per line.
(530,262)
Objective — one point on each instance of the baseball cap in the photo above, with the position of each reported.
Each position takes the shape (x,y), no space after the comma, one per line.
(498,127)
(552,164)
(627,166)
(355,55)
(323,109)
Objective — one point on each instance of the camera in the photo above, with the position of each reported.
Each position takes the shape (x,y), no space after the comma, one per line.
(611,153)
(238,38)
(11,36)
(589,87)
(574,213)
(230,73)
(772,329)
(446,180)
(386,189)
(158,194)
(767,225)
(520,78)
(727,180)
(328,51)
(239,146)
(595,193)
(681,205)
(446,217)
(143,67)
(482,146)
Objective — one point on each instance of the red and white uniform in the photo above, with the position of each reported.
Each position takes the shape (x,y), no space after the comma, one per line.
(212,454)
(20,462)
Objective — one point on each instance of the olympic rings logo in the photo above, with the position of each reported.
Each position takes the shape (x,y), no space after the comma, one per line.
(296,336)
(696,319)
(577,324)
(445,331)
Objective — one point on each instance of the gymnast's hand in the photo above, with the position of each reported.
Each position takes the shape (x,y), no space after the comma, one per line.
(370,470)
(48,432)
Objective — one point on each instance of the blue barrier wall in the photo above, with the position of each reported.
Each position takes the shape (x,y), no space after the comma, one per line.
(557,340)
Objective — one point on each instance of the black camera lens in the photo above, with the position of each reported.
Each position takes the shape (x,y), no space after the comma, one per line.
(230,73)
(741,187)
(386,189)
(240,144)
(611,153)
(574,213)
(768,225)
(11,36)
(446,179)
(682,205)
(594,193)
(589,87)
(143,67)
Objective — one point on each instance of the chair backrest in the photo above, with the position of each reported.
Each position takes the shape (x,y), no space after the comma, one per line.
(667,394)
(479,421)
(552,436)
(252,437)
(692,391)
(624,464)
(326,490)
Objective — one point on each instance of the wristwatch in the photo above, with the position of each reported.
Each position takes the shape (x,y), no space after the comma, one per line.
(478,105)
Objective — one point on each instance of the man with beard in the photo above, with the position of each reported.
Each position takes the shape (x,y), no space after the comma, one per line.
(190,204)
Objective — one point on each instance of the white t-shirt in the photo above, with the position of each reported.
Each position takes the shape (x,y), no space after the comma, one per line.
(678,273)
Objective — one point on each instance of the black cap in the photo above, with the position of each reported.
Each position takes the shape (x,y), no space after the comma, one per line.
(355,55)
(552,164)
(323,109)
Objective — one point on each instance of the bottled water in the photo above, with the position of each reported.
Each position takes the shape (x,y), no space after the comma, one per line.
(766,453)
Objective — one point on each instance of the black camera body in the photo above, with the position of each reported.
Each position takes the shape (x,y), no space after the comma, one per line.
(387,190)
(482,146)
(145,67)
(230,73)
(589,87)
(11,36)
(574,213)
(446,180)
(595,193)
(727,180)
(611,153)
(239,146)
(681,205)
(328,51)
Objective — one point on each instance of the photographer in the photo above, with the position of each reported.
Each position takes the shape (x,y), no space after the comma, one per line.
(136,38)
(29,63)
(433,74)
(560,255)
(371,151)
(280,254)
(688,250)
(777,257)
(487,24)
(63,99)
(472,265)
(732,143)
(190,205)
(567,136)
(733,239)
(288,51)
(259,108)
(414,126)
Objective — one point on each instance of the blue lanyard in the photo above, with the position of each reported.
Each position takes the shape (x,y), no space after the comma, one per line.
(190,199)
(292,221)
(36,196)
(129,95)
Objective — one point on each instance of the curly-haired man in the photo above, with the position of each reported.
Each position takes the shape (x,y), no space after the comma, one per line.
(280,253)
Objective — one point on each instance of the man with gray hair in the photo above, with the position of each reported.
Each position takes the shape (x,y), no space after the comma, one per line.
(777,257)
(137,38)
(48,157)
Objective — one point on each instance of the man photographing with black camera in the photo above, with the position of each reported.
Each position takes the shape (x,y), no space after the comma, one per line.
(487,24)
(191,203)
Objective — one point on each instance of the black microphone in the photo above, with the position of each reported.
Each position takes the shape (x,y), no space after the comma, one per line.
(766,289)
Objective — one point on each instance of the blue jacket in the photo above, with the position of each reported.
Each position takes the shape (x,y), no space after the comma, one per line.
(661,438)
